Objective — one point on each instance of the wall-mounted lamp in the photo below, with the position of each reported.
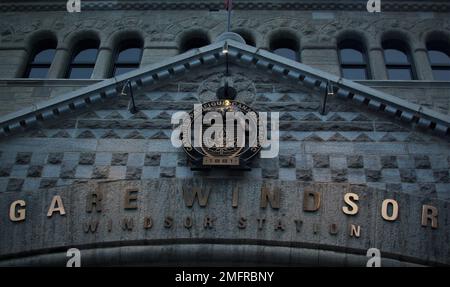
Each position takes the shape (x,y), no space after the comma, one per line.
(329,92)
(133,108)
(225,49)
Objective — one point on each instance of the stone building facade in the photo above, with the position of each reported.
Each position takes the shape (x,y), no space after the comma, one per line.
(129,197)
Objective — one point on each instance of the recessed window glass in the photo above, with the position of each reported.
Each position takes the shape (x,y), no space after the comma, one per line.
(398,60)
(41,61)
(285,47)
(287,53)
(354,73)
(128,57)
(194,42)
(439,55)
(83,60)
(353,60)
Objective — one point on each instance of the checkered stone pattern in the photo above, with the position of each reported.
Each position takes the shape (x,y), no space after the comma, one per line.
(424,174)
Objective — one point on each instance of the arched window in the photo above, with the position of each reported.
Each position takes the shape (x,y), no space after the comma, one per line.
(285,47)
(353,60)
(128,57)
(83,60)
(194,41)
(439,55)
(398,60)
(41,60)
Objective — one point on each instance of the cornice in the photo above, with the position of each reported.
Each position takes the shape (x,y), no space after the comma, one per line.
(355,5)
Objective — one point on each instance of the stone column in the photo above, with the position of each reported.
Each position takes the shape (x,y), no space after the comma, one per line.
(377,64)
(14,63)
(103,65)
(422,64)
(60,64)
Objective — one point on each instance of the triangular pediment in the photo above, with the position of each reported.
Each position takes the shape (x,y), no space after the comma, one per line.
(255,61)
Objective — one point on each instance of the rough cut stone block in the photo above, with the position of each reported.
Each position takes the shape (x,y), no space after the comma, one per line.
(55,158)
(119,159)
(48,183)
(355,161)
(321,161)
(270,173)
(87,158)
(373,175)
(441,176)
(167,172)
(133,172)
(422,162)
(287,161)
(23,157)
(408,175)
(100,172)
(304,174)
(5,170)
(152,159)
(339,175)
(35,171)
(388,162)
(67,171)
(14,184)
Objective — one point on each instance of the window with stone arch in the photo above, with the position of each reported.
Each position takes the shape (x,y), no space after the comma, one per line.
(247,36)
(83,59)
(41,59)
(398,60)
(439,56)
(285,45)
(353,60)
(194,40)
(128,56)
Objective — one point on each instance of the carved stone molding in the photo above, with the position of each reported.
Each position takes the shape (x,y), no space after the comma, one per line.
(394,5)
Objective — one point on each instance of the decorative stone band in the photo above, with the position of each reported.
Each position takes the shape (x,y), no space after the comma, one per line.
(336,218)
(394,5)
(241,54)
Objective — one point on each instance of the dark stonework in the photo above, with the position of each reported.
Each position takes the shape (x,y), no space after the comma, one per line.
(67,171)
(182,159)
(422,162)
(339,175)
(427,188)
(394,187)
(441,176)
(388,162)
(408,175)
(34,171)
(269,173)
(14,184)
(119,159)
(287,161)
(100,172)
(23,157)
(48,183)
(5,170)
(304,174)
(55,158)
(87,158)
(152,159)
(373,175)
(321,161)
(167,172)
(355,161)
(133,172)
